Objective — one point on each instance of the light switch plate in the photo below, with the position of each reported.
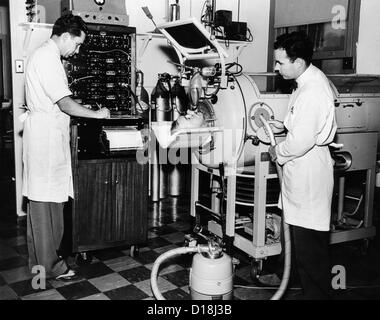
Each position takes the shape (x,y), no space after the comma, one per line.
(19,66)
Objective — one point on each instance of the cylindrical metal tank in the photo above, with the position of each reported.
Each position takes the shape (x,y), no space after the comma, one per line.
(211,279)
(180,103)
(162,112)
(236,111)
(237,108)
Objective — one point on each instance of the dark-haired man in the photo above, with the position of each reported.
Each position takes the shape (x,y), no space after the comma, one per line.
(307,164)
(47,177)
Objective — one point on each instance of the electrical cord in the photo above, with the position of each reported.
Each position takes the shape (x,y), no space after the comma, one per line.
(250,36)
(232,64)
(135,97)
(113,50)
(79,79)
(136,100)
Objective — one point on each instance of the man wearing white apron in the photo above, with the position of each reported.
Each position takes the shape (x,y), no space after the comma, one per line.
(308,180)
(47,175)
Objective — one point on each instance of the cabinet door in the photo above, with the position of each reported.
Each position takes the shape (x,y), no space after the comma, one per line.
(93,207)
(130,198)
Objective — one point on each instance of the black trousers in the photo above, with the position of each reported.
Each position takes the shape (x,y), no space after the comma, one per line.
(313,262)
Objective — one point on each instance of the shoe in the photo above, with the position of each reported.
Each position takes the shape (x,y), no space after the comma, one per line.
(68,275)
(269,280)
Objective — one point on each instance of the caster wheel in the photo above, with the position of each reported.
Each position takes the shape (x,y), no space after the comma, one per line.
(134,252)
(256,268)
(83,258)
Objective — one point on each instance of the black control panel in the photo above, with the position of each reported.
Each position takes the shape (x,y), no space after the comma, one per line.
(103,73)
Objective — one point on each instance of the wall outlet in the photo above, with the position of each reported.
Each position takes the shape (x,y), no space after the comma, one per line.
(19,66)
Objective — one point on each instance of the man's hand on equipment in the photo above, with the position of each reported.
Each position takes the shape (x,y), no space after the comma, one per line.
(103,113)
(276,126)
(272,153)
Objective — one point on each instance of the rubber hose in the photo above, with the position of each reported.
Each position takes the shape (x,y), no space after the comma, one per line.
(165,256)
(287,263)
(205,248)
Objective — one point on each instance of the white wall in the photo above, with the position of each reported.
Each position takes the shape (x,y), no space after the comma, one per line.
(17,15)
(20,50)
(368,46)
(256,12)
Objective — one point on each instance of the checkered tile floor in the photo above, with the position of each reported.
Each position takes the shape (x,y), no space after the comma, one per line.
(114,275)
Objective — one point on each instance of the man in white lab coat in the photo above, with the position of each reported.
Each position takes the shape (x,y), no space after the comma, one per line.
(47,175)
(308,181)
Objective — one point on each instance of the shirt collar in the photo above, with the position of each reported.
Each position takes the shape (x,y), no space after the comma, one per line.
(53,45)
(303,78)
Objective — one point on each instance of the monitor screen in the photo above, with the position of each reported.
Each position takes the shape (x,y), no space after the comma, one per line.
(190,37)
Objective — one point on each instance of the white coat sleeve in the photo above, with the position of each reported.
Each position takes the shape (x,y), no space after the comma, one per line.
(53,78)
(308,119)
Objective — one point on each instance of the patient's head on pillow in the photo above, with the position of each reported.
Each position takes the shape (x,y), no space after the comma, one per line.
(191,120)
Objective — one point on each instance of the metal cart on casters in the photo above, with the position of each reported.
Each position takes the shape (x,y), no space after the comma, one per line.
(248,235)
